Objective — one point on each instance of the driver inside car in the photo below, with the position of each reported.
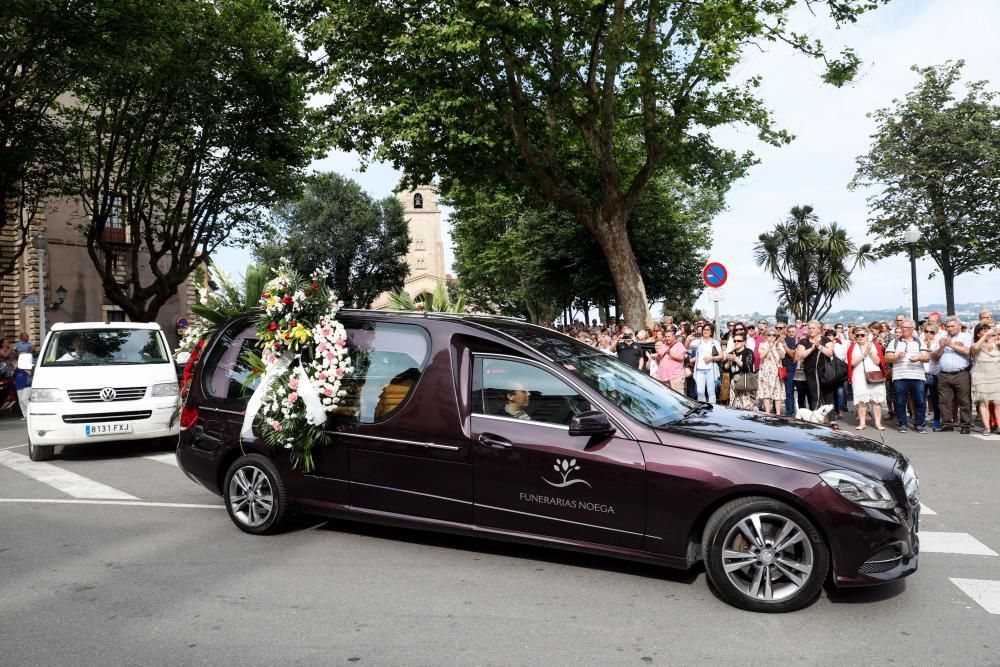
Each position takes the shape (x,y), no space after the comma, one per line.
(517,401)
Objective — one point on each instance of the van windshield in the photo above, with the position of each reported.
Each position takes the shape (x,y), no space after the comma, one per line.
(102,347)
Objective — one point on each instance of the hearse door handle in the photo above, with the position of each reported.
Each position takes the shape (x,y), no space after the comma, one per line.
(201,436)
(495,441)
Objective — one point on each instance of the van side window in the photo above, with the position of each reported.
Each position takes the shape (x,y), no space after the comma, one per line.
(518,390)
(388,360)
(226,372)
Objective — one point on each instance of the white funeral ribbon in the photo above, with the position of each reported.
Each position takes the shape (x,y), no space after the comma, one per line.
(257,399)
(315,412)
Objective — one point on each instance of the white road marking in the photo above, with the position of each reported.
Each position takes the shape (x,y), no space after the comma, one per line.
(4,449)
(924,509)
(988,438)
(169,459)
(953,543)
(126,503)
(986,593)
(65,481)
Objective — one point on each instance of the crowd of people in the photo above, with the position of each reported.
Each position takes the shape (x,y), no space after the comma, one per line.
(14,382)
(927,374)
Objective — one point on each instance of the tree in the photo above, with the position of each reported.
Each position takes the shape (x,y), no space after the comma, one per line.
(337,226)
(580,103)
(439,302)
(938,160)
(812,263)
(195,123)
(46,45)
(520,257)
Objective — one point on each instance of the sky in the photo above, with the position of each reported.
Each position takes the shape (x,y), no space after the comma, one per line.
(831,130)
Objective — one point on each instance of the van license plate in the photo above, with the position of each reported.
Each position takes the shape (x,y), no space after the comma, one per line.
(109,428)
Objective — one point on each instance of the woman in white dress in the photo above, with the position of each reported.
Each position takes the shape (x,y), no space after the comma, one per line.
(864,355)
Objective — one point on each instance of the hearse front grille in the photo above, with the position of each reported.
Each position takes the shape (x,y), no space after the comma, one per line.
(94,395)
(884,560)
(94,418)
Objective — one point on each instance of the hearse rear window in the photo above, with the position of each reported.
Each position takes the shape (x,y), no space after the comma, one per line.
(230,376)
(388,360)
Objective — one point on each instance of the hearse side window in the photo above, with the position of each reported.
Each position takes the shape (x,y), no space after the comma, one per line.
(518,390)
(226,368)
(388,360)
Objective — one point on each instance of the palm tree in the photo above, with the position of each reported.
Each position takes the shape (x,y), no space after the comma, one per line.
(811,262)
(439,302)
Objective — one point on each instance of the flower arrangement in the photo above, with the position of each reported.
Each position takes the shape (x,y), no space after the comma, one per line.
(304,350)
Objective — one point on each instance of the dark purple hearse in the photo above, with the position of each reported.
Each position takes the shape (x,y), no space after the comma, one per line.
(489,426)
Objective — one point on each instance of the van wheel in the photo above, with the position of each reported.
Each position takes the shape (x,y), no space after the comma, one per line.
(40,452)
(255,495)
(763,555)
(168,443)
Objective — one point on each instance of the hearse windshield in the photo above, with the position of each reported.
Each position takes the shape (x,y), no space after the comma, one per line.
(633,391)
(100,347)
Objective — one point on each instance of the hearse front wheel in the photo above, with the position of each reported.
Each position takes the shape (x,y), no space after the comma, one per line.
(255,495)
(763,555)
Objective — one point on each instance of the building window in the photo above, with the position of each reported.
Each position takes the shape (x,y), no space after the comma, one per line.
(114,227)
(418,244)
(418,200)
(421,263)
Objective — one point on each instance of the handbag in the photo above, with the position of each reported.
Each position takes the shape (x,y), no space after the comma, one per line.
(875,376)
(782,373)
(745,383)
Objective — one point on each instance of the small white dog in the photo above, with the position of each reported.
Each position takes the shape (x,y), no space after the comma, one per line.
(817,416)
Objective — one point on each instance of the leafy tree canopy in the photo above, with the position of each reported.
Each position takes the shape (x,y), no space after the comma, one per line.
(194,124)
(519,257)
(578,103)
(812,263)
(338,227)
(936,158)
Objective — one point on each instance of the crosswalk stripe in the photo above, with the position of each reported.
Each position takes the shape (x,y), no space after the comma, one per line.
(169,459)
(953,543)
(986,593)
(924,509)
(65,481)
(124,503)
(987,438)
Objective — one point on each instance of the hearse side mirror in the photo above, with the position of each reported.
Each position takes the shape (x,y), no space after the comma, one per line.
(592,423)
(25,361)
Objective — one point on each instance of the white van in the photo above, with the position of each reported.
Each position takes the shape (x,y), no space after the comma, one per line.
(102,381)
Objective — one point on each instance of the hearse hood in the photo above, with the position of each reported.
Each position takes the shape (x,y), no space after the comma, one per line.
(781,441)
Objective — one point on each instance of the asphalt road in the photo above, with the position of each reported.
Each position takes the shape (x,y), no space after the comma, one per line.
(167,579)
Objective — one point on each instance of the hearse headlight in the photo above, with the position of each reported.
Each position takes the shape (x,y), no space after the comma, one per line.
(859,489)
(165,389)
(47,396)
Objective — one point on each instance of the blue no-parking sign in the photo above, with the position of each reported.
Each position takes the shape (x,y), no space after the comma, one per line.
(715,274)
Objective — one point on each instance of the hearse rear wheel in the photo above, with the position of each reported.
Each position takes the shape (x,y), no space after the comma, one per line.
(255,496)
(40,452)
(763,555)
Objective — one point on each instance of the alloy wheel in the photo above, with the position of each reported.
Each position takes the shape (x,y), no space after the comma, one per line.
(767,556)
(251,496)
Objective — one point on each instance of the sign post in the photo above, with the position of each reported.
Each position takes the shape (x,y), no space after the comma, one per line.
(715,275)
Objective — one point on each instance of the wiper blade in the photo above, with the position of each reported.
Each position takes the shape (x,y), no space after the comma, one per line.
(701,405)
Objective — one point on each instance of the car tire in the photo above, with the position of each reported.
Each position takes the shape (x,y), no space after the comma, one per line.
(41,452)
(255,495)
(763,555)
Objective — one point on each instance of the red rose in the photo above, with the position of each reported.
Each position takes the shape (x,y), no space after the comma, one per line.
(273,326)
(200,344)
(314,286)
(287,301)
(292,323)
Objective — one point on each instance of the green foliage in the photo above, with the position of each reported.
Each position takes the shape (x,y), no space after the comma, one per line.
(194,123)
(937,160)
(516,257)
(579,104)
(811,262)
(336,226)
(44,46)
(439,302)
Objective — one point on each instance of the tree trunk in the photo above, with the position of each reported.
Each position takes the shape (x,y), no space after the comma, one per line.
(949,289)
(614,242)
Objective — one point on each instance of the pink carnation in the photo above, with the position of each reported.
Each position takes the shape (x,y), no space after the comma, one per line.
(325,332)
(292,397)
(321,376)
(330,355)
(340,372)
(293,383)
(328,391)
(321,347)
(340,342)
(276,425)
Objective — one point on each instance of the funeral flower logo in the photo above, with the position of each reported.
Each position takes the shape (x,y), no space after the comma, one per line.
(566,467)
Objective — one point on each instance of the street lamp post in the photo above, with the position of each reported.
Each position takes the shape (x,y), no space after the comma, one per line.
(41,243)
(911,236)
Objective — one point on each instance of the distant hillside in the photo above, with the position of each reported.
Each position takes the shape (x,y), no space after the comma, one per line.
(965,311)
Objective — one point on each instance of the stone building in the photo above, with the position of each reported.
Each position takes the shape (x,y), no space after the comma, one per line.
(73,290)
(426,254)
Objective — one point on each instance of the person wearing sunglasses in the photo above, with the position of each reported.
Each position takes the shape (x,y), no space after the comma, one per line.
(907,353)
(739,364)
(866,359)
(985,371)
(770,387)
(785,334)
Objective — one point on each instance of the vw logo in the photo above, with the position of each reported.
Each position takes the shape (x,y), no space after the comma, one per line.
(108,394)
